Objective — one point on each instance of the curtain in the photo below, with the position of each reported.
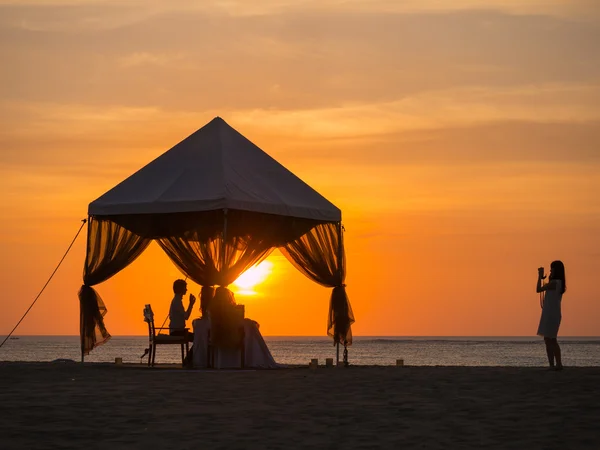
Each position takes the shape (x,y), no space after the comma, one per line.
(212,249)
(319,254)
(243,240)
(214,262)
(217,261)
(110,248)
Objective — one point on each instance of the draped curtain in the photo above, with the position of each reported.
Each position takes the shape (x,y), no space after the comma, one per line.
(110,248)
(217,261)
(214,262)
(319,254)
(213,255)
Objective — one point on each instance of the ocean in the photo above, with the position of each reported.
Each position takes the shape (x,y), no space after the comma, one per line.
(366,350)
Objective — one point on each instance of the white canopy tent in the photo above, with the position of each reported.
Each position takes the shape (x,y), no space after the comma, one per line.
(213,169)
(217,204)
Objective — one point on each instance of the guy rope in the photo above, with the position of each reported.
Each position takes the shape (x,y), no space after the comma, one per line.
(40,293)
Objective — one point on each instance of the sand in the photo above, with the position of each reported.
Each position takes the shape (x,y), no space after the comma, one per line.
(69,405)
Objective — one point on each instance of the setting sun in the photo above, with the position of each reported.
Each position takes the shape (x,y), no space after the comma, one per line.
(252,277)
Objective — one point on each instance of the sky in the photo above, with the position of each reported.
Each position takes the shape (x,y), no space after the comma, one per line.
(460,139)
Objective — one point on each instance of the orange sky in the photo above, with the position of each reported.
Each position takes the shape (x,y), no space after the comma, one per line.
(462,145)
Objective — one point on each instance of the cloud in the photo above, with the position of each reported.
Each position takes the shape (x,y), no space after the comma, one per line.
(316,80)
(435,110)
(150,59)
(71,16)
(316,58)
(565,8)
(458,125)
(568,8)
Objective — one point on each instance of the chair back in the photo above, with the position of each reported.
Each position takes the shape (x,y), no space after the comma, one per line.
(240,312)
(148,314)
(227,327)
(149,319)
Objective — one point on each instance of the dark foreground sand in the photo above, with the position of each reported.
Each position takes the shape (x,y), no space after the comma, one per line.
(69,405)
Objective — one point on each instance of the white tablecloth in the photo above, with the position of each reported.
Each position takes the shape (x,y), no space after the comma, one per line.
(257,354)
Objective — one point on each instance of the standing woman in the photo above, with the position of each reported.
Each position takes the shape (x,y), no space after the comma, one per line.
(551,311)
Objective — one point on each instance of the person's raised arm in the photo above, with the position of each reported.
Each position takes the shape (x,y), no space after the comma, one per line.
(551,285)
(190,306)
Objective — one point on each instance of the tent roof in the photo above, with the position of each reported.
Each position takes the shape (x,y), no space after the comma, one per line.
(215,168)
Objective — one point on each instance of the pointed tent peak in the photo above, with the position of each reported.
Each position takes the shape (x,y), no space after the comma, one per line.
(213,131)
(216,121)
(215,168)
(213,125)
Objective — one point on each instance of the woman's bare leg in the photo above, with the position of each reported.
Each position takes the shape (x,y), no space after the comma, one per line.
(557,354)
(549,350)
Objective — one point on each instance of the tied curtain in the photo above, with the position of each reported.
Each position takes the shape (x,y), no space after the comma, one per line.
(110,248)
(319,254)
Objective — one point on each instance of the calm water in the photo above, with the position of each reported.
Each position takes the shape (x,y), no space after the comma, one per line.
(420,351)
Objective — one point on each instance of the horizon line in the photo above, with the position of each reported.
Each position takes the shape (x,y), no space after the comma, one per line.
(328,337)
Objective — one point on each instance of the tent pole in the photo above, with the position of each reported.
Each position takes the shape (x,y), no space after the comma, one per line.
(340,230)
(87,253)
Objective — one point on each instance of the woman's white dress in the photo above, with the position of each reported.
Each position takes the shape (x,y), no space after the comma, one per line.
(551,313)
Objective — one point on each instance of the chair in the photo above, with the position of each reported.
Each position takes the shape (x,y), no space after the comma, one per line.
(226,334)
(213,347)
(162,339)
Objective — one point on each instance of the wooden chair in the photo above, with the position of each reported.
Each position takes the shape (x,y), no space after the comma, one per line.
(155,338)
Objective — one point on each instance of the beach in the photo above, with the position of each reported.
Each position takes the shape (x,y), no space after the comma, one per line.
(95,405)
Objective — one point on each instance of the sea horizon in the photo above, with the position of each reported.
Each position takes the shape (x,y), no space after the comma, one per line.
(355,337)
(513,351)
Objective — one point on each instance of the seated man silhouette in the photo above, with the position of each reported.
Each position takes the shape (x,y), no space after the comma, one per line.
(178,315)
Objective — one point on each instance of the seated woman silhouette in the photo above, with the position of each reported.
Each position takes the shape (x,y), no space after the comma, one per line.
(227,325)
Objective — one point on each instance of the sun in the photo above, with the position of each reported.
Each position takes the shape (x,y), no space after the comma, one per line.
(253,277)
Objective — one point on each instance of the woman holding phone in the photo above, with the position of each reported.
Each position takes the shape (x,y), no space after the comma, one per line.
(551,310)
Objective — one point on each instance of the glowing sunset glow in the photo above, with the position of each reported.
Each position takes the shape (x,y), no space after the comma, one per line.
(459,138)
(252,277)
